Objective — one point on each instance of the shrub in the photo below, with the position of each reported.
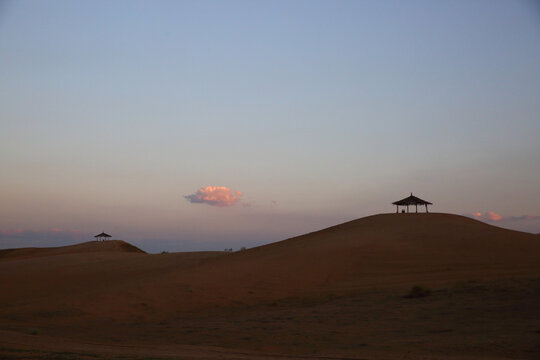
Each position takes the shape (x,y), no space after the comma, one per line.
(419,291)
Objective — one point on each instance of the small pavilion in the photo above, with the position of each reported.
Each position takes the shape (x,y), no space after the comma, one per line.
(411,200)
(102,237)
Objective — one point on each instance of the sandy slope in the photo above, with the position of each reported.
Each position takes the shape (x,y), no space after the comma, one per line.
(80,293)
(87,247)
(376,251)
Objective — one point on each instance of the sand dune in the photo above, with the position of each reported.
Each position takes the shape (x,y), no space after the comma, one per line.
(377,251)
(114,283)
(87,247)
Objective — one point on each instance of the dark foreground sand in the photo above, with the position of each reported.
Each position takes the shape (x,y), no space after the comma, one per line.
(339,293)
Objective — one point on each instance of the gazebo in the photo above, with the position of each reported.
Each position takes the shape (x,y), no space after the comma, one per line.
(411,200)
(102,237)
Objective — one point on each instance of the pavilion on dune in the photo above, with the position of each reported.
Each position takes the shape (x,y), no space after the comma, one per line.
(411,200)
(102,237)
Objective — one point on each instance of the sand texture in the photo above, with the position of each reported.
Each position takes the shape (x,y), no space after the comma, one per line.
(339,293)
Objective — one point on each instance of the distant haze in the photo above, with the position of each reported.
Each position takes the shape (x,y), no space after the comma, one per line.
(185,125)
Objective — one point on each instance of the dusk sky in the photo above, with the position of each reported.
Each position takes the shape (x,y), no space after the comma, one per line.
(204,125)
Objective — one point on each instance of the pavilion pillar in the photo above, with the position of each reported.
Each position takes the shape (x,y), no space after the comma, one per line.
(426,209)
(407,208)
(416,206)
(397,209)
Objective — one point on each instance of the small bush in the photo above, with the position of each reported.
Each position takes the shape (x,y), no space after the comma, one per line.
(33,331)
(419,291)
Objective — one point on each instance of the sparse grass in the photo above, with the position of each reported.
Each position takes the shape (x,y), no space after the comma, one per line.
(455,319)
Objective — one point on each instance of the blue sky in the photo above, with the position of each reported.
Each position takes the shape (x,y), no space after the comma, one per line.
(317,112)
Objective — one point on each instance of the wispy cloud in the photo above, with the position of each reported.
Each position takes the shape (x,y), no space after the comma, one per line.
(44,237)
(492,216)
(40,233)
(523,217)
(215,195)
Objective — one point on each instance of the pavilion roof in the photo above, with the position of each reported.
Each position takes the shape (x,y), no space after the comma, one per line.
(103,235)
(411,200)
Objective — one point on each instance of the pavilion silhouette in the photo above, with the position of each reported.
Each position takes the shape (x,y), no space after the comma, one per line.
(411,200)
(102,237)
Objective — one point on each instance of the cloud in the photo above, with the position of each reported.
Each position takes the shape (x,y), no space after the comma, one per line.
(50,237)
(492,216)
(523,217)
(215,196)
(41,233)
(486,216)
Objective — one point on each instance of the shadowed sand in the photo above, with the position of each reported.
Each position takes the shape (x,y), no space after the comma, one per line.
(335,293)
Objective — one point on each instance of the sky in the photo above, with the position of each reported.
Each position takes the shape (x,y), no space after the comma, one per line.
(204,125)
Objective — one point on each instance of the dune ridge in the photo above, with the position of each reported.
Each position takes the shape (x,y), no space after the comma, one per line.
(86,247)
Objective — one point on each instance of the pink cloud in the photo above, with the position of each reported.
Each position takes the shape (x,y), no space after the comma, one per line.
(12,232)
(487,216)
(215,196)
(492,216)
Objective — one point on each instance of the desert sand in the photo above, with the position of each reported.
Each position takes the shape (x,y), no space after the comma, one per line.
(338,293)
